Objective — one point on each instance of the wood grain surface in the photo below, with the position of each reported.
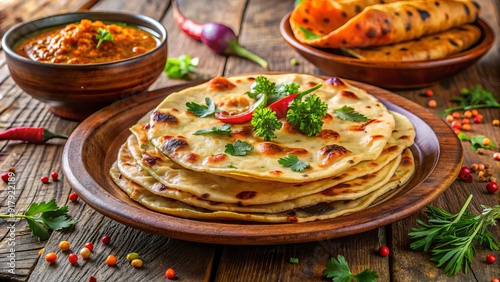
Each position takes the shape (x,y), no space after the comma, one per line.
(256,22)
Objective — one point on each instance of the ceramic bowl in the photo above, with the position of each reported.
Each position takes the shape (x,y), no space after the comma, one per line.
(75,91)
(393,75)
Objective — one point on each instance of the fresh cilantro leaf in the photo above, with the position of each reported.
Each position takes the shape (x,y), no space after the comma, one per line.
(282,90)
(181,66)
(348,113)
(239,148)
(294,260)
(475,98)
(307,115)
(265,122)
(231,166)
(103,34)
(50,217)
(477,141)
(309,35)
(293,162)
(261,86)
(223,129)
(338,270)
(202,110)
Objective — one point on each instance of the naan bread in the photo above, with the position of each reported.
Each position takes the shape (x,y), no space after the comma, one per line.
(384,24)
(340,145)
(317,212)
(435,46)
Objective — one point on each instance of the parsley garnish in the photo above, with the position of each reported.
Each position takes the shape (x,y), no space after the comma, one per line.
(473,99)
(293,162)
(223,129)
(265,122)
(231,166)
(348,113)
(307,115)
(239,148)
(181,66)
(202,110)
(294,260)
(477,141)
(309,35)
(51,217)
(272,92)
(338,270)
(450,237)
(103,34)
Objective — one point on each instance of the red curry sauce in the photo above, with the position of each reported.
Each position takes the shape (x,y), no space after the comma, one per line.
(77,43)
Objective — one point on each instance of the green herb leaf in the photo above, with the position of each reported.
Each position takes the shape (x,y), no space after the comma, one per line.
(202,110)
(223,129)
(474,98)
(307,115)
(338,270)
(294,260)
(231,166)
(293,162)
(239,148)
(265,122)
(103,34)
(477,141)
(282,90)
(181,66)
(309,35)
(50,217)
(348,113)
(450,237)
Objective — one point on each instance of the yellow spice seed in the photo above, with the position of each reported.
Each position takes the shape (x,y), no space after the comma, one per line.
(64,245)
(480,167)
(466,127)
(432,104)
(132,256)
(85,253)
(495,122)
(136,263)
(456,114)
(474,167)
(40,252)
(480,173)
(486,141)
(449,118)
(474,112)
(493,179)
(111,260)
(468,114)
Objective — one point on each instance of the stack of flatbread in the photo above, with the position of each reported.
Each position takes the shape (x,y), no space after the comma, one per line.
(389,30)
(168,168)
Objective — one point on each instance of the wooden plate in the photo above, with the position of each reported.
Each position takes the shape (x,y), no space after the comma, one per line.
(92,148)
(393,75)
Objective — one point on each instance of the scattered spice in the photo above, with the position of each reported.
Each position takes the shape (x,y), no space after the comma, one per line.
(428,93)
(40,252)
(383,251)
(64,245)
(73,259)
(496,156)
(294,61)
(33,135)
(432,104)
(111,260)
(132,256)
(54,175)
(490,258)
(51,257)
(492,187)
(73,197)
(6,177)
(495,122)
(106,239)
(44,179)
(465,174)
(85,253)
(170,273)
(137,263)
(89,246)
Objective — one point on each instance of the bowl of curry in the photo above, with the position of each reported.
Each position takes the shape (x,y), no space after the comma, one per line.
(77,63)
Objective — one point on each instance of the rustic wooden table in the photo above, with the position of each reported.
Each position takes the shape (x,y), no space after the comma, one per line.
(256,22)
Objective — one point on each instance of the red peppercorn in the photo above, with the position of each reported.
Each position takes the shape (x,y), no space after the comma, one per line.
(5,177)
(73,197)
(89,246)
(106,239)
(73,259)
(490,258)
(478,119)
(465,174)
(44,179)
(495,279)
(92,279)
(428,93)
(383,251)
(492,187)
(54,175)
(170,273)
(456,124)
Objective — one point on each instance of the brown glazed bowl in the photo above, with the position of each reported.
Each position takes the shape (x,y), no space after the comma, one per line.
(76,91)
(393,75)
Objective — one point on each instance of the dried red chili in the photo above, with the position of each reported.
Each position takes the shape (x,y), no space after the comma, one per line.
(34,135)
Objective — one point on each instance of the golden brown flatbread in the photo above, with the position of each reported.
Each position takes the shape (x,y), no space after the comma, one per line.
(384,24)
(436,46)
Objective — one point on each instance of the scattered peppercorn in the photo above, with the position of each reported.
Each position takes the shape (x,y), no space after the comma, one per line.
(170,273)
(467,114)
(111,260)
(132,256)
(456,115)
(85,253)
(383,251)
(495,279)
(5,177)
(51,257)
(89,246)
(496,156)
(12,169)
(54,175)
(44,179)
(480,151)
(478,119)
(40,252)
(136,263)
(92,279)
(106,239)
(475,112)
(429,93)
(294,62)
(73,197)
(480,167)
(73,258)
(492,187)
(456,124)
(495,122)
(64,245)
(466,127)
(490,258)
(432,104)
(465,174)
(449,118)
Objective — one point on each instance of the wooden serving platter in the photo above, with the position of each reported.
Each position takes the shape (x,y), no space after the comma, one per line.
(92,148)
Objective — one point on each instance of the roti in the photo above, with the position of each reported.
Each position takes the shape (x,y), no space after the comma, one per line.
(340,145)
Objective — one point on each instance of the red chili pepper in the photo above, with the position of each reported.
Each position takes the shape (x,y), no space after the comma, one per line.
(282,106)
(34,135)
(242,117)
(218,37)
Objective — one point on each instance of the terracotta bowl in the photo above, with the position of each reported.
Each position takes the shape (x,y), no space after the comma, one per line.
(394,75)
(76,91)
